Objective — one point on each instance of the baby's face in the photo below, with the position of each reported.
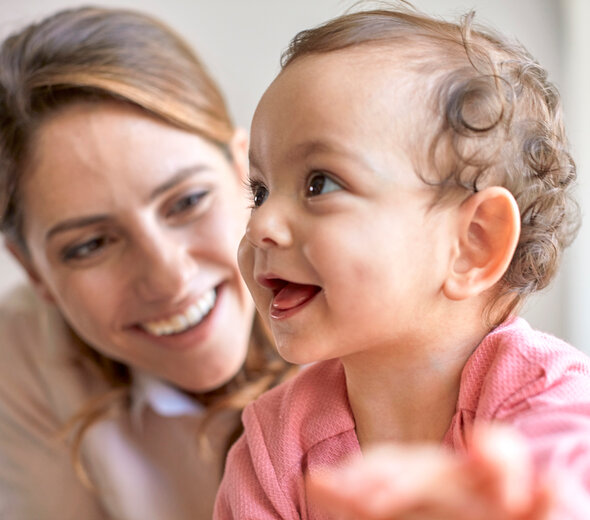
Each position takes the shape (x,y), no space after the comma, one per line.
(342,254)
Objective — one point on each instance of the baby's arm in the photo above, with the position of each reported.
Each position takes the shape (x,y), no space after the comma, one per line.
(493,482)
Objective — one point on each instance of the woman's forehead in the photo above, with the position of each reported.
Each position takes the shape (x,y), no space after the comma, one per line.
(97,157)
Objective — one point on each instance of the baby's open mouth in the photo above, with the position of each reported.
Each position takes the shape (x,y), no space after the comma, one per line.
(288,295)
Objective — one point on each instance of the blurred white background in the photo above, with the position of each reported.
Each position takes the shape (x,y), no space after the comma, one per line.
(241,42)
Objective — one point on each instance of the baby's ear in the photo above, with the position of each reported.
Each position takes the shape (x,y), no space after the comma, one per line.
(487,236)
(36,281)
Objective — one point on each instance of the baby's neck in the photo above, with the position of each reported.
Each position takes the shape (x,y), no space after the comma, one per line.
(405,408)
(404,401)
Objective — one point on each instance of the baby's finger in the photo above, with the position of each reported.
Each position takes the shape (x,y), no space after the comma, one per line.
(387,482)
(502,460)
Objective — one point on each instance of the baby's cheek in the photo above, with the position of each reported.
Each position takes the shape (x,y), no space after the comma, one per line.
(346,258)
(246,259)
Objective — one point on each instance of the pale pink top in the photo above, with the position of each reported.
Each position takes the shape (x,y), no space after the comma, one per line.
(531,380)
(145,463)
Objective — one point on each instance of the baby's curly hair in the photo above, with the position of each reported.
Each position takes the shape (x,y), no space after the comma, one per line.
(496,120)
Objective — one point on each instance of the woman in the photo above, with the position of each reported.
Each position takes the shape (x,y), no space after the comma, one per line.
(121,197)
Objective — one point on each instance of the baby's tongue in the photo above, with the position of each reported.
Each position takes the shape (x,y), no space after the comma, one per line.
(293,294)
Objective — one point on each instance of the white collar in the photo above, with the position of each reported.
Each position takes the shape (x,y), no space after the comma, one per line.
(163,398)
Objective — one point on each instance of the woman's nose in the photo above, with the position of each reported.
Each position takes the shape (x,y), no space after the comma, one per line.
(165,268)
(270,226)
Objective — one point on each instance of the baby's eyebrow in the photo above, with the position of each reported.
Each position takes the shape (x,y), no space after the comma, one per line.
(254,164)
(324,146)
(298,151)
(311,147)
(305,149)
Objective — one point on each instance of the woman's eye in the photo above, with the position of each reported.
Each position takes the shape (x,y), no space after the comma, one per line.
(259,193)
(187,203)
(85,249)
(320,183)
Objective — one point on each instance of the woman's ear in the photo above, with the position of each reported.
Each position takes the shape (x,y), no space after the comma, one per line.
(239,151)
(488,233)
(36,281)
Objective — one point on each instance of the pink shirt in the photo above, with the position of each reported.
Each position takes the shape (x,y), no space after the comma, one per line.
(533,381)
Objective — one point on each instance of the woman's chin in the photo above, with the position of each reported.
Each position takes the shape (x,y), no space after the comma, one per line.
(214,378)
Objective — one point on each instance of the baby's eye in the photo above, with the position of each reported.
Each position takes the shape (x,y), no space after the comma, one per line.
(259,193)
(319,183)
(187,203)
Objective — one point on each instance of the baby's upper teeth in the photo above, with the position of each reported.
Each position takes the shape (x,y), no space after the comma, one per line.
(189,318)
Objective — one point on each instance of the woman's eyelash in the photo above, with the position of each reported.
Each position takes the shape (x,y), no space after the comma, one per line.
(85,249)
(188,202)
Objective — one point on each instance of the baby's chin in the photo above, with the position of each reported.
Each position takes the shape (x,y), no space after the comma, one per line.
(296,356)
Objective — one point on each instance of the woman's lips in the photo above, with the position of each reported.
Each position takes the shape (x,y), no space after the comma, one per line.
(184,321)
(196,333)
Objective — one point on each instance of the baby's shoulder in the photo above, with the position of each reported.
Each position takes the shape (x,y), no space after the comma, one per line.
(319,390)
(517,349)
(301,424)
(302,412)
(516,366)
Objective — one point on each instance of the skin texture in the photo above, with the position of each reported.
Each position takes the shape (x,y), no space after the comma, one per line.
(130,221)
(367,232)
(369,239)
(346,256)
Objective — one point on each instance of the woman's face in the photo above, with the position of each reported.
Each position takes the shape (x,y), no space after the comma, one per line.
(132,227)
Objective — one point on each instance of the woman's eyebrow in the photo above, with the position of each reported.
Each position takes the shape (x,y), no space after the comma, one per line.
(177,178)
(74,223)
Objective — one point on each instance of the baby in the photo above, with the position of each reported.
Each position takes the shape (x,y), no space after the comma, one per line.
(410,187)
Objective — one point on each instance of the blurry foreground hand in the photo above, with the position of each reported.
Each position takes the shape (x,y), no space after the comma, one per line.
(419,482)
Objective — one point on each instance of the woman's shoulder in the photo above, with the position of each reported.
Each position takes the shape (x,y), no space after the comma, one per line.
(32,330)
(36,471)
(42,368)
(17,300)
(21,323)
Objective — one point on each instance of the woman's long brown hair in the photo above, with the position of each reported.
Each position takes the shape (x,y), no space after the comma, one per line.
(99,54)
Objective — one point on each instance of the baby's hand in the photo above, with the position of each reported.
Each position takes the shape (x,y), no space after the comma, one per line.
(392,482)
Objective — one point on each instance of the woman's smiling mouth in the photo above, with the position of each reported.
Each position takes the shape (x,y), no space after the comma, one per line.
(181,322)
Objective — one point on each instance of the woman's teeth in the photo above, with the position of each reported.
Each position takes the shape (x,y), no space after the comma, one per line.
(181,322)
